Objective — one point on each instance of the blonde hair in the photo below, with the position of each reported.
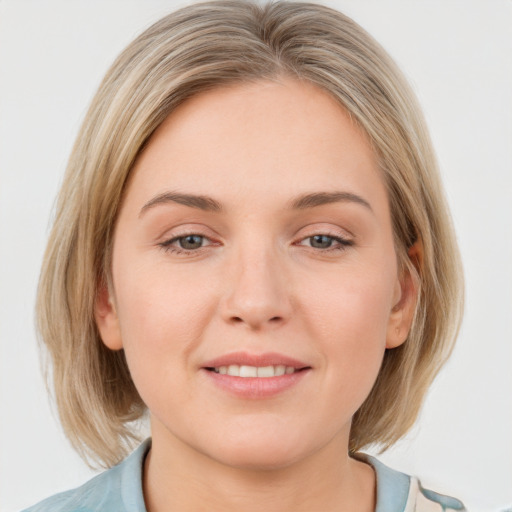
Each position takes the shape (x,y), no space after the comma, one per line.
(204,46)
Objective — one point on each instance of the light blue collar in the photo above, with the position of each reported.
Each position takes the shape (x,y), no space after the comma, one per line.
(392,486)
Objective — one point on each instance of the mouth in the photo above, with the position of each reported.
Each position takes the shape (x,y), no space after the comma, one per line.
(246,365)
(255,376)
(246,371)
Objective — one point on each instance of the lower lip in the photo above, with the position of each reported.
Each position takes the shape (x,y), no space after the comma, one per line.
(256,387)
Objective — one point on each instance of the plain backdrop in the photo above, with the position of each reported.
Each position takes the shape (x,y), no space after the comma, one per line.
(458,57)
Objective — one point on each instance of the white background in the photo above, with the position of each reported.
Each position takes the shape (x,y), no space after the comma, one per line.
(458,56)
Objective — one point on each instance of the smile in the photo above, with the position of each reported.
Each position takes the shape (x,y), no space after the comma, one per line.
(255,376)
(236,370)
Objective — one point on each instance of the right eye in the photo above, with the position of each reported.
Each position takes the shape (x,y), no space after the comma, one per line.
(189,243)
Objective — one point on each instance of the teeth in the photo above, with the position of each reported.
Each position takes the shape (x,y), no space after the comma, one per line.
(233,370)
(281,370)
(236,370)
(248,371)
(266,371)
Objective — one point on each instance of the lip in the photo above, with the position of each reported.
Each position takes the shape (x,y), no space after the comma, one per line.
(255,388)
(265,359)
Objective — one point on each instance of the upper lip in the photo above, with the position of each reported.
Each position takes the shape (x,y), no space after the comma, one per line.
(260,360)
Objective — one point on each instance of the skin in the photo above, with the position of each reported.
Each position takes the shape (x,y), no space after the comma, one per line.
(257,283)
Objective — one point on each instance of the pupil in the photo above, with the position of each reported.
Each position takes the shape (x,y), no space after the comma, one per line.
(321,241)
(191,242)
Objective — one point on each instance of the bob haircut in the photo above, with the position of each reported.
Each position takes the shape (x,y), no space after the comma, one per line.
(195,49)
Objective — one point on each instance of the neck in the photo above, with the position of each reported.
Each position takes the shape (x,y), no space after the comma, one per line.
(179,478)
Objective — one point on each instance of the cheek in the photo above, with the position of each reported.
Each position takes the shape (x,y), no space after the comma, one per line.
(350,322)
(355,305)
(162,316)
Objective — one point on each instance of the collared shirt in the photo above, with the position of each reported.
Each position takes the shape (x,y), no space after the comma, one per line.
(119,489)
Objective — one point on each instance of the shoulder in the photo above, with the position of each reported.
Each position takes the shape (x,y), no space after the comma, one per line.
(397,491)
(118,489)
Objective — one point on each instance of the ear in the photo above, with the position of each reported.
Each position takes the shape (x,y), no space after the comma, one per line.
(106,319)
(405,300)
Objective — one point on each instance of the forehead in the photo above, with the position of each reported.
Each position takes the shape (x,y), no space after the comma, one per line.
(266,139)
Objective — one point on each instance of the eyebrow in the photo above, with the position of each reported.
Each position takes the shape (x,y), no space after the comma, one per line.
(206,203)
(321,198)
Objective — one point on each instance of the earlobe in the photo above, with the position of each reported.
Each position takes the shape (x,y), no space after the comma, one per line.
(107,320)
(407,290)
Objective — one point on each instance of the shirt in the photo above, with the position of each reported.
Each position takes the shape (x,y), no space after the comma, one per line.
(119,489)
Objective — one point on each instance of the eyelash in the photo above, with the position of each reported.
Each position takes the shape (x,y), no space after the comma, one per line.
(341,244)
(168,247)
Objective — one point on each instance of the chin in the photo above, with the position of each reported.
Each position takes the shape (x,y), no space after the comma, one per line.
(259,451)
(251,459)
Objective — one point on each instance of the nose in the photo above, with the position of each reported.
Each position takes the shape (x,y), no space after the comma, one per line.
(258,294)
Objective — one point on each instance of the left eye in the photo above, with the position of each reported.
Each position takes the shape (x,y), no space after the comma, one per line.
(190,241)
(325,242)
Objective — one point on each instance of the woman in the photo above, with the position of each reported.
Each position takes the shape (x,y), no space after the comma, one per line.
(252,244)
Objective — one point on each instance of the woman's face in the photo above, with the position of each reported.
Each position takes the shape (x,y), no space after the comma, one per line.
(255,283)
